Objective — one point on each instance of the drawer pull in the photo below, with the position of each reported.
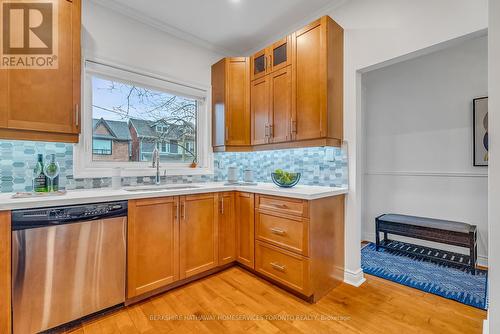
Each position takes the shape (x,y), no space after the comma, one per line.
(281,206)
(277,231)
(277,266)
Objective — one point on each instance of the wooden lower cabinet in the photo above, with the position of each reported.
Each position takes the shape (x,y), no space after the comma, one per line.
(300,244)
(288,232)
(227,228)
(198,234)
(283,266)
(297,244)
(245,229)
(5,268)
(153,244)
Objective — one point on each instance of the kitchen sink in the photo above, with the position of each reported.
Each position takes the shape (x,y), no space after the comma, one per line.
(161,187)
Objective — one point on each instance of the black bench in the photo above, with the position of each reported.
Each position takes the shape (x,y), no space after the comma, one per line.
(437,230)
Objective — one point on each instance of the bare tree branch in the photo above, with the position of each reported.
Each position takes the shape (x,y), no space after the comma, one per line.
(177,114)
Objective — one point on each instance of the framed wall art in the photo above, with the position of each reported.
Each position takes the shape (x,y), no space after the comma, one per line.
(480,131)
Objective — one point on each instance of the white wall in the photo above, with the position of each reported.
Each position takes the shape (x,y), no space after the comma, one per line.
(375,32)
(418,139)
(494,168)
(115,38)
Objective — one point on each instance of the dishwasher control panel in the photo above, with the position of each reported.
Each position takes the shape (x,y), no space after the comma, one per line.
(32,218)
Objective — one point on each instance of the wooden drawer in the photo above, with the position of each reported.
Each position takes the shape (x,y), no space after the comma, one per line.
(291,233)
(291,206)
(283,266)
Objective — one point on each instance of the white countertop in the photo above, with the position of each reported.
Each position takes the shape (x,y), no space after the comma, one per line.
(107,194)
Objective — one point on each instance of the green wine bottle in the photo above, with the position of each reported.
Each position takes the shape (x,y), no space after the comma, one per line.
(39,179)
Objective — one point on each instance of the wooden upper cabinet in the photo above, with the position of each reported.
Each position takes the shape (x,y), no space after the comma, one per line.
(318,75)
(245,229)
(272,58)
(271,107)
(280,92)
(227,228)
(44,104)
(296,93)
(260,110)
(198,234)
(231,103)
(153,244)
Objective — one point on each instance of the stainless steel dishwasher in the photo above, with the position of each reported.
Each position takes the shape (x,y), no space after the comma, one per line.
(67,263)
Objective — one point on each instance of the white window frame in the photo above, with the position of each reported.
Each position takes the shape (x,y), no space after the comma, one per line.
(86,167)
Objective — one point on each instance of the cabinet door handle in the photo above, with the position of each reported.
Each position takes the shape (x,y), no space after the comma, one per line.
(271,130)
(227,133)
(77,115)
(277,266)
(183,210)
(277,231)
(222,205)
(176,211)
(270,61)
(267,131)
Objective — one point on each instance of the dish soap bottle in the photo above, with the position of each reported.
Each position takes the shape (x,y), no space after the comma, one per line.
(39,179)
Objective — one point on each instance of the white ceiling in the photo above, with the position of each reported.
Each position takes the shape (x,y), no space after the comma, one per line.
(230,27)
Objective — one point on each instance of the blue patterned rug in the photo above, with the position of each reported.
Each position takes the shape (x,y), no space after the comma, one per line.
(448,282)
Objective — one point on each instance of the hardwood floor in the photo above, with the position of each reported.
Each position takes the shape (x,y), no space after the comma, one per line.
(378,306)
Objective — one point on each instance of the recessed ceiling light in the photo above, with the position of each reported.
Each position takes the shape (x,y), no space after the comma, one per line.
(235,1)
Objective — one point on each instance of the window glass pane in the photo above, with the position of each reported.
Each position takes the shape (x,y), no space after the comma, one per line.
(133,120)
(279,55)
(259,65)
(101,147)
(174,147)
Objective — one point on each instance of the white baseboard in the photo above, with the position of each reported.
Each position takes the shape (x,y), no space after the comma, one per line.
(482,260)
(355,278)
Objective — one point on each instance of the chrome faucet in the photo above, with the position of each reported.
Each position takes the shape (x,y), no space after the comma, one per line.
(156,163)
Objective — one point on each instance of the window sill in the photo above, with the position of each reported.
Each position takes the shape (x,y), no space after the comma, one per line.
(89,172)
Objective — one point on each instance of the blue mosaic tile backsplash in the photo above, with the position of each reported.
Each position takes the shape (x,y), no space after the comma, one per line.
(325,166)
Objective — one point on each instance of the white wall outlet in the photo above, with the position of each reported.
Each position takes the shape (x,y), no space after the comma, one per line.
(329,155)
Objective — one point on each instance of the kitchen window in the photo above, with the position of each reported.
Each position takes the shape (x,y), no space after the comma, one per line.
(127,115)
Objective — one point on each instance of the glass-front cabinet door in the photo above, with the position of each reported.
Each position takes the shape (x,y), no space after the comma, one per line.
(259,64)
(273,58)
(280,54)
